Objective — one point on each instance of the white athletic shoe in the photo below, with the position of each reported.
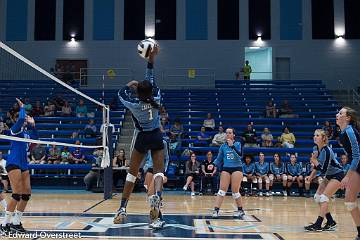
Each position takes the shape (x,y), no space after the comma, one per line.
(192,194)
(239,214)
(154,201)
(267,194)
(185,188)
(120,216)
(285,193)
(260,194)
(215,214)
(157,224)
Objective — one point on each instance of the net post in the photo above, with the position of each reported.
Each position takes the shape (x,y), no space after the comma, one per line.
(107,139)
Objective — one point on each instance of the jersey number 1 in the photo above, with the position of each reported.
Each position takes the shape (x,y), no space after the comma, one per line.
(151,114)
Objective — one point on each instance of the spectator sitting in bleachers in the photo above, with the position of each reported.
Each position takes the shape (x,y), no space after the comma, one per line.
(294,171)
(4,173)
(49,109)
(286,110)
(165,129)
(90,129)
(287,139)
(219,138)
(177,129)
(3,126)
(9,120)
(270,109)
(81,109)
(74,135)
(38,154)
(278,173)
(164,116)
(174,144)
(192,167)
(66,156)
(91,177)
(77,155)
(266,138)
(202,139)
(58,102)
(119,161)
(208,170)
(209,123)
(344,163)
(328,129)
(249,137)
(66,109)
(37,110)
(1,114)
(54,155)
(27,105)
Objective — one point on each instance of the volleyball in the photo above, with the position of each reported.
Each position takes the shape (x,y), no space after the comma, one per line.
(145,46)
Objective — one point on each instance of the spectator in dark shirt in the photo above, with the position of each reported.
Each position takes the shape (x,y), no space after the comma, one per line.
(249,136)
(208,172)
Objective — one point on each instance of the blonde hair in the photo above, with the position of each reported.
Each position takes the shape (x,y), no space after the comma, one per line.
(322,133)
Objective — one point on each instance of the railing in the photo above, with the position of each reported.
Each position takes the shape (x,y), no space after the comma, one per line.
(190,77)
(105,77)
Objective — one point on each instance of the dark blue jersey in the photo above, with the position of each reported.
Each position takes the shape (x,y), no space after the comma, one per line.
(261,169)
(229,157)
(249,169)
(145,117)
(349,139)
(18,150)
(277,169)
(328,164)
(294,170)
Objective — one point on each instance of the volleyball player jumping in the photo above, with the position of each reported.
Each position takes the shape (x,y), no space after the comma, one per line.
(145,113)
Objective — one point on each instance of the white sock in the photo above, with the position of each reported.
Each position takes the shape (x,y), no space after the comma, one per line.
(17,217)
(3,204)
(7,218)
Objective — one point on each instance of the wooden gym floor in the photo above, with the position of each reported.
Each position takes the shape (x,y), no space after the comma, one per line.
(186,217)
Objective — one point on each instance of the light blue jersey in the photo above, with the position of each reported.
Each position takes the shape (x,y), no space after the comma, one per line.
(261,169)
(145,117)
(328,164)
(18,150)
(149,161)
(277,169)
(249,169)
(294,170)
(229,157)
(346,168)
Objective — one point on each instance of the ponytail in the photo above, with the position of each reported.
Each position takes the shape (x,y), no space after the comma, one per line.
(145,93)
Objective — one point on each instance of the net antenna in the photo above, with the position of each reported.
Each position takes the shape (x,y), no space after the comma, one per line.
(106,110)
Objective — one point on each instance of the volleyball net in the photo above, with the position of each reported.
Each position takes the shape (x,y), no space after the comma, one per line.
(64,116)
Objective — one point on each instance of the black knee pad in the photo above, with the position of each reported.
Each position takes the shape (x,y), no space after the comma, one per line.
(16,196)
(26,197)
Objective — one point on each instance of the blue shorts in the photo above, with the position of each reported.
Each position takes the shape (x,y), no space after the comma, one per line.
(11,166)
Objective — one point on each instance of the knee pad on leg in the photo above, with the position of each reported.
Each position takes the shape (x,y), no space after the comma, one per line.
(285,178)
(267,180)
(323,198)
(317,198)
(245,179)
(130,178)
(16,196)
(271,177)
(260,180)
(25,197)
(350,206)
(221,193)
(159,175)
(236,195)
